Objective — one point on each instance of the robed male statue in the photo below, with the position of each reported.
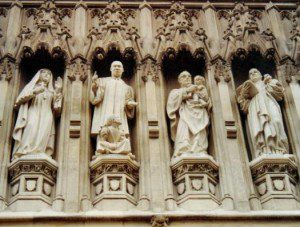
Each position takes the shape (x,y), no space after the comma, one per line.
(187,109)
(111,96)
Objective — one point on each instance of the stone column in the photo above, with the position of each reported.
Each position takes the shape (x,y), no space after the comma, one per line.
(156,184)
(287,75)
(235,177)
(9,81)
(73,159)
(277,28)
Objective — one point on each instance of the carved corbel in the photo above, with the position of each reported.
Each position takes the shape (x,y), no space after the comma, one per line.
(223,77)
(78,71)
(150,77)
(159,221)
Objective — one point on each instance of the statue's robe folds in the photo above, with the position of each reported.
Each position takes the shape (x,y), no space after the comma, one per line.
(189,123)
(110,99)
(265,117)
(34,131)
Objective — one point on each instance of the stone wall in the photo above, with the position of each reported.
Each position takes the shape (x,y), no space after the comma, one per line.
(155,41)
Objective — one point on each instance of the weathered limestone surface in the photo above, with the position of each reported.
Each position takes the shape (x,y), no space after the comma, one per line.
(149,113)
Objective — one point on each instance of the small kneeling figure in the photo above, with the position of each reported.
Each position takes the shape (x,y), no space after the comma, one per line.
(112,140)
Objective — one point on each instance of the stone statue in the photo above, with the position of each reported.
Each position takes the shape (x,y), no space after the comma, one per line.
(111,97)
(111,139)
(258,99)
(188,109)
(35,129)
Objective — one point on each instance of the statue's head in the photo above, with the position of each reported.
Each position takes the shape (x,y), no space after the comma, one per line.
(113,120)
(199,80)
(45,75)
(116,69)
(255,75)
(185,79)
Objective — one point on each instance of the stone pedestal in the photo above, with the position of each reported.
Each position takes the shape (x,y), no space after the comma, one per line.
(195,178)
(114,181)
(275,177)
(32,181)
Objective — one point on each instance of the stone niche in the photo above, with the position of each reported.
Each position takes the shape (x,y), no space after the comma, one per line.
(32,182)
(275,177)
(195,179)
(114,181)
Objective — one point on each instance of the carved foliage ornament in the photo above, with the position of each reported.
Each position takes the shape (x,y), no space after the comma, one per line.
(3,12)
(198,167)
(275,168)
(150,70)
(78,69)
(113,16)
(222,71)
(114,168)
(7,69)
(290,71)
(176,18)
(22,168)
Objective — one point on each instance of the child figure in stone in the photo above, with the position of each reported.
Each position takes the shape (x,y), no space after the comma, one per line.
(112,140)
(200,96)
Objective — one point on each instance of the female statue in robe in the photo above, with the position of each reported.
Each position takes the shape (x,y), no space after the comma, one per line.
(187,108)
(35,128)
(258,99)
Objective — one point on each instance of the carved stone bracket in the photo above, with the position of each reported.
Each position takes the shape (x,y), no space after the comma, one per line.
(159,221)
(114,177)
(195,178)
(32,180)
(275,177)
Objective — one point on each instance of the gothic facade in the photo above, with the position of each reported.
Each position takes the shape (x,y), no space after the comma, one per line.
(149,113)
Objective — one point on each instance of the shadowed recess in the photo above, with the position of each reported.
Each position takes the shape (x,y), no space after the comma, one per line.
(31,62)
(102,61)
(254,59)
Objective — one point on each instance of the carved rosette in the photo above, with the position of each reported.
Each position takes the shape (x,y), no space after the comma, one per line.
(195,179)
(275,177)
(114,177)
(32,177)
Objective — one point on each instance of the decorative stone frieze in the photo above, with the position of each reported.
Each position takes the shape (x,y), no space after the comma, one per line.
(275,177)
(32,180)
(195,178)
(114,177)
